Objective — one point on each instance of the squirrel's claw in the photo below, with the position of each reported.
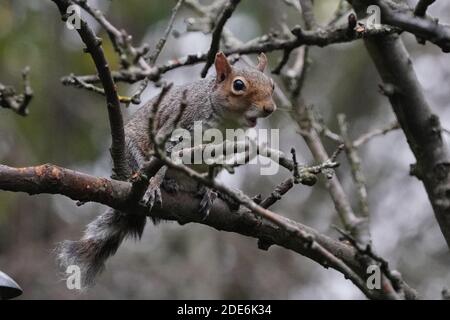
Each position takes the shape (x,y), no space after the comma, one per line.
(209,196)
(152,195)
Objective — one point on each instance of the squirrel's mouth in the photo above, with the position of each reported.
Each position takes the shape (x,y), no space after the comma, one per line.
(251,121)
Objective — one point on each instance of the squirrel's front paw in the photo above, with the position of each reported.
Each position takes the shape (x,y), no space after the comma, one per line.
(209,196)
(153,195)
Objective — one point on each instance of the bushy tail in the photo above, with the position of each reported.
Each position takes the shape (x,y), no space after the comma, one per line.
(101,240)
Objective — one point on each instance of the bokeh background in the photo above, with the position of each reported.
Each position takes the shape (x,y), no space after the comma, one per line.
(69,127)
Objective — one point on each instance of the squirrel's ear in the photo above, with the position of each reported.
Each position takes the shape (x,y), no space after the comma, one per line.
(223,67)
(262,62)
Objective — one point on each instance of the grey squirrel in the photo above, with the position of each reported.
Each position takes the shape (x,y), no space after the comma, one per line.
(232,98)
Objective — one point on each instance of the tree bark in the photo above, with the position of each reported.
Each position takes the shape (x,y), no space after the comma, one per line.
(421,126)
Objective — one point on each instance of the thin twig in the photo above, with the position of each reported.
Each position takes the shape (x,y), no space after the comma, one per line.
(9,99)
(327,258)
(362,232)
(305,120)
(162,41)
(76,81)
(342,10)
(226,13)
(279,191)
(422,6)
(375,133)
(151,58)
(120,39)
(396,286)
(308,14)
(264,43)
(140,180)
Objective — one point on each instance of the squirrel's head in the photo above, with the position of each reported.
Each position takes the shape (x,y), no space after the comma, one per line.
(245,92)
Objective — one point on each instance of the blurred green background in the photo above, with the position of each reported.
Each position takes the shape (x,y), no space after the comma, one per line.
(69,127)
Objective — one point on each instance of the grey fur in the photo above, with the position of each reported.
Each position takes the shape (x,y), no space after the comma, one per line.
(101,240)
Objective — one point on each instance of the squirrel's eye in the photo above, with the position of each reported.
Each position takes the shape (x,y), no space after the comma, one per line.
(238,85)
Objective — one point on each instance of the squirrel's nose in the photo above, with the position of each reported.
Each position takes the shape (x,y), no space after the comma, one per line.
(269,108)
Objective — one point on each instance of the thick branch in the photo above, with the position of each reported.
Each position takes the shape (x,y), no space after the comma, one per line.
(423,28)
(83,187)
(52,179)
(421,126)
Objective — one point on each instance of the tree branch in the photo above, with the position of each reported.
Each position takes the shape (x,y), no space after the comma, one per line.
(374,133)
(359,180)
(422,7)
(226,13)
(93,46)
(9,99)
(302,115)
(420,125)
(160,45)
(265,43)
(116,194)
(422,27)
(52,179)
(308,14)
